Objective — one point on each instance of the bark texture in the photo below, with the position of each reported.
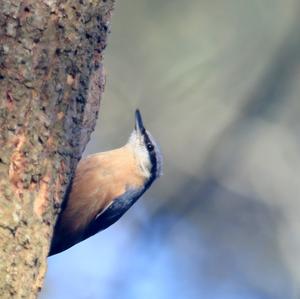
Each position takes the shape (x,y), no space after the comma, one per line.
(51,79)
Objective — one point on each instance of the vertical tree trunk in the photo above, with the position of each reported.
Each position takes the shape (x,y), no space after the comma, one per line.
(51,79)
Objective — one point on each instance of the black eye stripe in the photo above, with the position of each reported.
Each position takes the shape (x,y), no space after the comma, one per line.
(150,146)
(152,154)
(148,142)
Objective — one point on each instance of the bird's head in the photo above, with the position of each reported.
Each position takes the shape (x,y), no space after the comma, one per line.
(146,150)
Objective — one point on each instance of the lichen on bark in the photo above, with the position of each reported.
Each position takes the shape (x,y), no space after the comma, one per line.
(51,80)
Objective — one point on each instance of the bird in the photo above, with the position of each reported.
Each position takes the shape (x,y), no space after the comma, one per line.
(105,186)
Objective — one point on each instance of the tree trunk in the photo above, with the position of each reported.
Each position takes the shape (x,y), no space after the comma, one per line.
(51,79)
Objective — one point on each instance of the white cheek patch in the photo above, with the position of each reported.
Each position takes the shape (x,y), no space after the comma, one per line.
(144,161)
(145,169)
(141,154)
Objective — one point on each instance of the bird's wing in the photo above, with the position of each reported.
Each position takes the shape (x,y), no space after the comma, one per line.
(114,211)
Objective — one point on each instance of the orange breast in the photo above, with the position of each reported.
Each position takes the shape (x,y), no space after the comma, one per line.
(99,179)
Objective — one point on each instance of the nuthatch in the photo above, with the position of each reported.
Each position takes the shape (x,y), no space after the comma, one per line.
(105,186)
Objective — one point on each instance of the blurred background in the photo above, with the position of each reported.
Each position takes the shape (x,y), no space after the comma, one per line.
(218,84)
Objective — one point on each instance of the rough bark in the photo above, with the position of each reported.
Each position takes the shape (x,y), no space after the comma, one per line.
(51,79)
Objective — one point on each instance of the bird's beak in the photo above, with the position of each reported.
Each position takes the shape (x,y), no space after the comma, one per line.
(139,126)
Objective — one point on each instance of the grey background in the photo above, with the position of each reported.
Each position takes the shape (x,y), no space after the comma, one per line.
(218,85)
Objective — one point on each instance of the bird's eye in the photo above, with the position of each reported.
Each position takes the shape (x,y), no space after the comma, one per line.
(150,147)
